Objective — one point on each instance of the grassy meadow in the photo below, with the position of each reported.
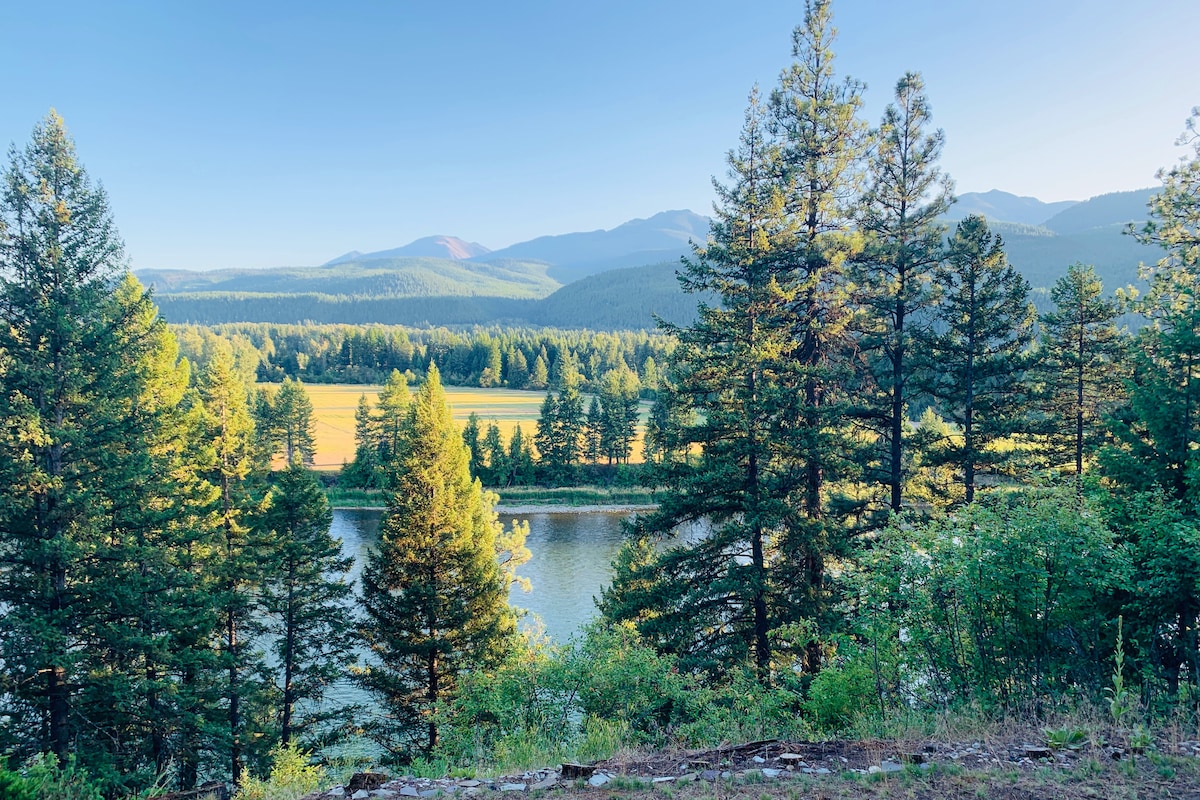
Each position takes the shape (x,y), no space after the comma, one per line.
(334,406)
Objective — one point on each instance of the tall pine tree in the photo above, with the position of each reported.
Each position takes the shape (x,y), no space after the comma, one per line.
(435,598)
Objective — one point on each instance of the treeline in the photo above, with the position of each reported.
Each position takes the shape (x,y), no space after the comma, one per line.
(516,358)
(171,610)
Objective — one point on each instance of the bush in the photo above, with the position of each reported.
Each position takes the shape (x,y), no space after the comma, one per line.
(291,777)
(46,779)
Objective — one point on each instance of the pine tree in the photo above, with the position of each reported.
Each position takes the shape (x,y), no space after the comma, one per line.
(1158,431)
(977,362)
(230,462)
(1082,361)
(390,414)
(593,436)
(822,145)
(499,471)
(365,470)
(306,595)
(434,596)
(539,378)
(707,601)
(900,209)
(293,418)
(520,459)
(470,437)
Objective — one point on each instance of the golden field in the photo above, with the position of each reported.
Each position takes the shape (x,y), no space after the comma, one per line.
(334,406)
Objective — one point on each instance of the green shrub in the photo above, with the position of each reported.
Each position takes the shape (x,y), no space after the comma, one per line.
(292,777)
(839,693)
(48,780)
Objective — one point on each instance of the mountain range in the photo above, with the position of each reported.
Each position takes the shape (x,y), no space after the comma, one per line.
(601,279)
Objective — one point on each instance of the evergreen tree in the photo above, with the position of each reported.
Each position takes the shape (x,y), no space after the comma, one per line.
(499,471)
(905,197)
(1082,361)
(539,378)
(229,439)
(517,374)
(593,435)
(492,373)
(977,361)
(1158,431)
(434,596)
(365,470)
(470,437)
(87,379)
(306,595)
(520,459)
(390,414)
(707,601)
(293,418)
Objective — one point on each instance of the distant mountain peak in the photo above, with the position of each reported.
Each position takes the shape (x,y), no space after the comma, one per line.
(449,247)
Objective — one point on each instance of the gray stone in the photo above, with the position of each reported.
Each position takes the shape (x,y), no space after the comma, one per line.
(891,766)
(361,794)
(409,791)
(512,787)
(546,782)
(709,775)
(793,757)
(469,784)
(768,772)
(726,775)
(599,779)
(663,779)
(336,791)
(759,760)
(822,771)
(430,793)
(874,769)
(688,777)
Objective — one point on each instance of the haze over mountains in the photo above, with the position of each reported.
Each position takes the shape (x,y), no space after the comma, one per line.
(602,279)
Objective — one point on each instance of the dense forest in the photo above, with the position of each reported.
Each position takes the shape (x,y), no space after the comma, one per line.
(516,358)
(918,492)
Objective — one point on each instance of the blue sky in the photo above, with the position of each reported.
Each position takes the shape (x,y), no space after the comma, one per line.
(254,134)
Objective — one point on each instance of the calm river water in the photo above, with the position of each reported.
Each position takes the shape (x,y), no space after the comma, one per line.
(572,560)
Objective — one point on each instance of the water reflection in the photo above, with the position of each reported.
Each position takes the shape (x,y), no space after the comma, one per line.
(571,561)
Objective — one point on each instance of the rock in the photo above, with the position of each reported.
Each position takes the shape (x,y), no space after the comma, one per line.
(822,771)
(512,787)
(361,794)
(545,783)
(1036,751)
(874,769)
(794,758)
(889,767)
(366,780)
(687,777)
(768,772)
(759,760)
(726,775)
(408,791)
(429,793)
(570,771)
(598,779)
(469,784)
(336,791)
(709,775)
(663,779)
(384,793)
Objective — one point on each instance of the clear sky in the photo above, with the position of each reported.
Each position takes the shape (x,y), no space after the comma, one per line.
(254,134)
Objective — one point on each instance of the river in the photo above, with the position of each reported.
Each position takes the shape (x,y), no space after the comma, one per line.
(571,561)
